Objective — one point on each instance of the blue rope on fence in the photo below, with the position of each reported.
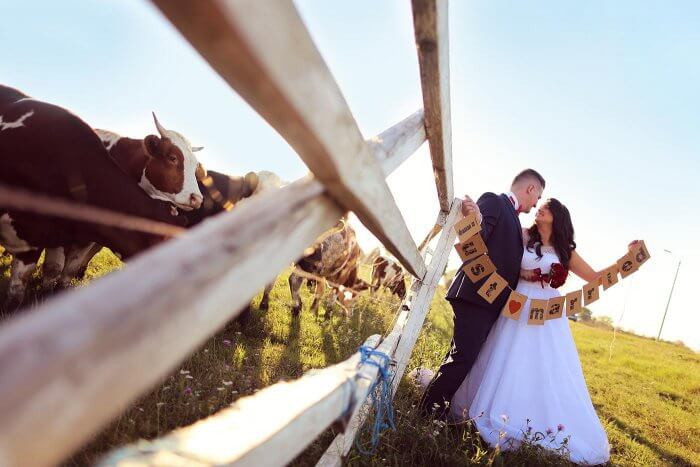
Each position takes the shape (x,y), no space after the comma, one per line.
(382,403)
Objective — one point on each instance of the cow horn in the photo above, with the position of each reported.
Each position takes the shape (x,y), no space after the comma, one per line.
(197,148)
(251,180)
(163,132)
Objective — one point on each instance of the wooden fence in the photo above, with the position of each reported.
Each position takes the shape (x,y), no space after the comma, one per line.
(80,359)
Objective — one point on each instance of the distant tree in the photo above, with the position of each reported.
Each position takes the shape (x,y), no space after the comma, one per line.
(585,314)
(605,320)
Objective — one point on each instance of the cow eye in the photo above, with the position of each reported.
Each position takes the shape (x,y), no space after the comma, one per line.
(172,158)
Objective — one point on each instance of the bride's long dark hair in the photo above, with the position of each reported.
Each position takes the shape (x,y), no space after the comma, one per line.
(562,233)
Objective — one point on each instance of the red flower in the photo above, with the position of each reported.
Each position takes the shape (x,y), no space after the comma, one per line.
(557,275)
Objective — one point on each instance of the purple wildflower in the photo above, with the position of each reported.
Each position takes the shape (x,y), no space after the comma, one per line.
(560,427)
(187,391)
(549,431)
(227,343)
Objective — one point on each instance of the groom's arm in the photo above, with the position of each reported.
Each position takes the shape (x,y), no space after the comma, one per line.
(490,207)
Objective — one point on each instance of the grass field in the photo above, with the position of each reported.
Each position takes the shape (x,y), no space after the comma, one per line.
(646,393)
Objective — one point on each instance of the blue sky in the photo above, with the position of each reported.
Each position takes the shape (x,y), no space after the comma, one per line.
(601,97)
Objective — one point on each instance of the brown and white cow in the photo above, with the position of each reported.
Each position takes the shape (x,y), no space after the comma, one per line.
(389,274)
(47,149)
(335,257)
(164,167)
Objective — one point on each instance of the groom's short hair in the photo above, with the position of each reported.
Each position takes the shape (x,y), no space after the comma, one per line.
(528,174)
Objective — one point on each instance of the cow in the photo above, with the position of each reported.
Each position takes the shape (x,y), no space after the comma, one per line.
(334,257)
(164,167)
(48,150)
(389,274)
(222,192)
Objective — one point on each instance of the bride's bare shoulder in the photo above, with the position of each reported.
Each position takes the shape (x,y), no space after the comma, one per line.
(526,235)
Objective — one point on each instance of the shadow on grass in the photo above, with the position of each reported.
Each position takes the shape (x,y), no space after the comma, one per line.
(634,435)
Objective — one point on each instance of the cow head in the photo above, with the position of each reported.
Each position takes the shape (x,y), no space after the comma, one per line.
(172,169)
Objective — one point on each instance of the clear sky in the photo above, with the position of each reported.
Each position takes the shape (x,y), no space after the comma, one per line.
(601,97)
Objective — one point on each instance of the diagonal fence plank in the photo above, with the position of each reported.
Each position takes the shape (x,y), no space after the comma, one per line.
(111,341)
(430,22)
(264,51)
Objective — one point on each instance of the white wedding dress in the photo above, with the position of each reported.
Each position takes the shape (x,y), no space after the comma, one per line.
(530,372)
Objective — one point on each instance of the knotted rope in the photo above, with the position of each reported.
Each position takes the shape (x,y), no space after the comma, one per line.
(382,404)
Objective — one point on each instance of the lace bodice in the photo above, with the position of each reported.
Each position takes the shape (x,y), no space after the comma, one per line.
(531,261)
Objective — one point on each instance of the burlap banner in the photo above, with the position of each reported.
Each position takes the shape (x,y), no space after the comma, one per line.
(473,251)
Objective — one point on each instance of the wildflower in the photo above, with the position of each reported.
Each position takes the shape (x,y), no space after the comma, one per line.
(189,377)
(504,418)
(166,388)
(549,431)
(560,427)
(187,391)
(221,388)
(160,404)
(436,432)
(184,372)
(227,343)
(206,350)
(227,383)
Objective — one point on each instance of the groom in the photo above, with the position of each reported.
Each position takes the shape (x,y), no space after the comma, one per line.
(474,316)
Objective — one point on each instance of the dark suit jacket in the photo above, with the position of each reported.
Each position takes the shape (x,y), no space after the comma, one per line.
(503,235)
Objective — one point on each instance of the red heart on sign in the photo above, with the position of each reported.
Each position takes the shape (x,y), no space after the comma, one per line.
(514,306)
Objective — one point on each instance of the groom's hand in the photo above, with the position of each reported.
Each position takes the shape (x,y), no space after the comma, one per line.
(469,206)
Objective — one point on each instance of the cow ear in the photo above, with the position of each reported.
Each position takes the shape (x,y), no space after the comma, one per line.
(200,173)
(152,145)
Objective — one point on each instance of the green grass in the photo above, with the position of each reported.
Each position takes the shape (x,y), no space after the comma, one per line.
(647,393)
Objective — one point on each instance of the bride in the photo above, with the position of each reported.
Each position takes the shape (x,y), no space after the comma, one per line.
(527,382)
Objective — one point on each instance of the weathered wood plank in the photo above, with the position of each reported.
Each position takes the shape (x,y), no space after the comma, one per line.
(402,140)
(268,428)
(421,304)
(412,314)
(106,341)
(263,50)
(430,22)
